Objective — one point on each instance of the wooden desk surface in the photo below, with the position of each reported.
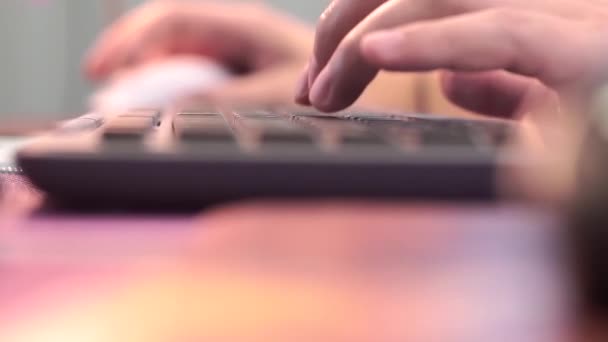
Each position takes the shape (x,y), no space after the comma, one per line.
(276,271)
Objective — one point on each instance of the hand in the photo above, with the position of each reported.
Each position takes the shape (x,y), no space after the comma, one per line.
(244,37)
(503,55)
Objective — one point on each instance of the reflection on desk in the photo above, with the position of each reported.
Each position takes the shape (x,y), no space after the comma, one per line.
(277,271)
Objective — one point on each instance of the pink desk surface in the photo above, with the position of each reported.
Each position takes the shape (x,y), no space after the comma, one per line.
(283,270)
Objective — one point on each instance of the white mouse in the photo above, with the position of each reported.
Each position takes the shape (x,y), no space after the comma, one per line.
(159,84)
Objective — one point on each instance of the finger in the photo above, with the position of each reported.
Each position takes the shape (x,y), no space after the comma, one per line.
(302,87)
(335,23)
(95,60)
(114,43)
(497,93)
(488,41)
(494,93)
(225,31)
(347,73)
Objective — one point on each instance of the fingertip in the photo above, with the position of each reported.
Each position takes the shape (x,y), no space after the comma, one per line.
(313,71)
(320,96)
(302,88)
(323,95)
(304,101)
(93,64)
(447,80)
(90,69)
(367,46)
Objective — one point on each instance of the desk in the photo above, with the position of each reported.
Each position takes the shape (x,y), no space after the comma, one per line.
(277,271)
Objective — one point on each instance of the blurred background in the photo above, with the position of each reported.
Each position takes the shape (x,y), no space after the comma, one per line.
(42,44)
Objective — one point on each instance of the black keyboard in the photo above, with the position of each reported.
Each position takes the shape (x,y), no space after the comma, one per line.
(196,156)
(255,130)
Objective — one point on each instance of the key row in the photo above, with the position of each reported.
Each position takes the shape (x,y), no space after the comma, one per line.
(264,126)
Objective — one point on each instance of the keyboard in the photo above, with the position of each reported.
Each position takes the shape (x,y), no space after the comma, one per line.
(198,156)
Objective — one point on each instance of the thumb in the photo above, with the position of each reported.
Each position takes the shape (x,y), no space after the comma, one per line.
(495,93)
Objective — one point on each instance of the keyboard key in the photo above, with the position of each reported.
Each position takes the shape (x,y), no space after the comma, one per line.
(143,113)
(317,115)
(86,122)
(257,114)
(324,119)
(274,130)
(366,117)
(203,110)
(362,138)
(346,131)
(129,127)
(447,138)
(495,134)
(210,113)
(431,132)
(201,127)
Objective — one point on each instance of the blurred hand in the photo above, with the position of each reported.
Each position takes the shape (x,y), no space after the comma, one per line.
(265,48)
(502,55)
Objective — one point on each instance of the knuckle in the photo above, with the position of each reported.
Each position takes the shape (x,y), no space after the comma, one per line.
(321,41)
(159,12)
(437,4)
(255,8)
(326,31)
(596,23)
(506,16)
(597,19)
(170,15)
(328,12)
(447,7)
(324,24)
(328,19)
(349,47)
(160,7)
(580,59)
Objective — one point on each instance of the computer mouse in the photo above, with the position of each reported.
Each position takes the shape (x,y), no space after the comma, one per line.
(159,84)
